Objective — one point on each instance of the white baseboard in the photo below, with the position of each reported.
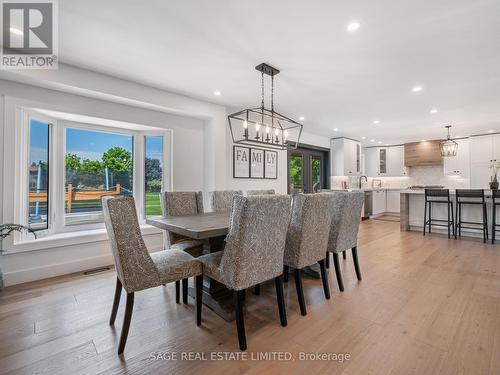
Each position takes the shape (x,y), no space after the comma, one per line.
(57,269)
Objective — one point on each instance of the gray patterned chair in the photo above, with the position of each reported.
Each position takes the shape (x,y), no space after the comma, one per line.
(136,268)
(344,232)
(254,251)
(182,203)
(307,237)
(222,200)
(260,192)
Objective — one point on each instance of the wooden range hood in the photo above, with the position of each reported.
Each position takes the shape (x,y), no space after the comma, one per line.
(423,153)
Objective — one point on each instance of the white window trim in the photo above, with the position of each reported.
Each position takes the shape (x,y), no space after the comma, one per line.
(59,234)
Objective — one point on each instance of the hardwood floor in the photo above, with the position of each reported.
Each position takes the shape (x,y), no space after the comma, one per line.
(426,305)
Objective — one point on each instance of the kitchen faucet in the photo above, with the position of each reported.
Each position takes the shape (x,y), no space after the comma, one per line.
(360,180)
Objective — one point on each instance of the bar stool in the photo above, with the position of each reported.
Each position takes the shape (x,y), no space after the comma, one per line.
(468,197)
(439,196)
(495,194)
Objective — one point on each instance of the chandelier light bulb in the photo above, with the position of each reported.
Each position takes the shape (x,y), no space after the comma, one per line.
(257,126)
(245,125)
(276,131)
(267,129)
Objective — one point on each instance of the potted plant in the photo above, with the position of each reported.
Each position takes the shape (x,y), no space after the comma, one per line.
(6,230)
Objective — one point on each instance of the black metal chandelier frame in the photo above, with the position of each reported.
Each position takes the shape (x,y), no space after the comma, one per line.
(276,130)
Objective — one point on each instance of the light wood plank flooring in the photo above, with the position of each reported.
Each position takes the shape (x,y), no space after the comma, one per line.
(426,305)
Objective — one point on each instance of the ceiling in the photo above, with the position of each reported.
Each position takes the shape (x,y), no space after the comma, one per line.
(332,77)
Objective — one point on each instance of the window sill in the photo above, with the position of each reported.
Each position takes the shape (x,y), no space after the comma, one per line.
(68,239)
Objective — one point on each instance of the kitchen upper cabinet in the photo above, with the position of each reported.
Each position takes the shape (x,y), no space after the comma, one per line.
(379,202)
(484,150)
(397,161)
(346,157)
(458,165)
(385,161)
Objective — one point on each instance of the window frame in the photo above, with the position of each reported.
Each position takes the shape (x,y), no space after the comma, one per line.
(57,172)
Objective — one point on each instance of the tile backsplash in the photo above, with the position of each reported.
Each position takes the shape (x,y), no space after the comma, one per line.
(421,175)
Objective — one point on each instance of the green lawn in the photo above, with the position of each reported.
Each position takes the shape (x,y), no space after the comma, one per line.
(153,206)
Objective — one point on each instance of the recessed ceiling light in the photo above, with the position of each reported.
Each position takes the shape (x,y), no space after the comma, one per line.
(372,140)
(379,142)
(302,118)
(387,144)
(353,26)
(433,111)
(490,131)
(424,140)
(335,129)
(376,122)
(417,89)
(363,137)
(13,30)
(217,93)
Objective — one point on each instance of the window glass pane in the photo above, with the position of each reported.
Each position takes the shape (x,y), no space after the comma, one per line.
(153,174)
(315,173)
(296,173)
(97,164)
(38,175)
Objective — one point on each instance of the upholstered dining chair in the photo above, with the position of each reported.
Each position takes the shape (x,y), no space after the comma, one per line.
(136,268)
(253,252)
(307,237)
(182,203)
(344,232)
(222,200)
(260,192)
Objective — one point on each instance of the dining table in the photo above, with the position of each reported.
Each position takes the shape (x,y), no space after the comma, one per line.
(212,227)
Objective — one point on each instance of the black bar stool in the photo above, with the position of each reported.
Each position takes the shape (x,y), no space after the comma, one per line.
(467,197)
(438,196)
(495,194)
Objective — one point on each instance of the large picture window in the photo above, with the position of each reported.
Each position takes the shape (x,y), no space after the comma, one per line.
(68,166)
(97,164)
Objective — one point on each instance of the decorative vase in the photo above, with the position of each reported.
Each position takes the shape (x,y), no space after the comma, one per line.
(494,185)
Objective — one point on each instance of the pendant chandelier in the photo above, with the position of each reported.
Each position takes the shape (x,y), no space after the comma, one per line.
(449,146)
(262,126)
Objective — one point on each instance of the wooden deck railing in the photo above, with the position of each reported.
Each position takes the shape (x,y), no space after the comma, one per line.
(70,196)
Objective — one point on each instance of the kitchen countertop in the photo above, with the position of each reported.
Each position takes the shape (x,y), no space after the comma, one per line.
(487,193)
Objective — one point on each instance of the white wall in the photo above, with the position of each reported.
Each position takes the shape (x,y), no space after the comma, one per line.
(199,160)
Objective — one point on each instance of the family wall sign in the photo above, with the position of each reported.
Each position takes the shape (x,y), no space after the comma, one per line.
(249,162)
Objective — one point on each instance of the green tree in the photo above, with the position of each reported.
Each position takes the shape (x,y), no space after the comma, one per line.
(91,167)
(72,162)
(117,160)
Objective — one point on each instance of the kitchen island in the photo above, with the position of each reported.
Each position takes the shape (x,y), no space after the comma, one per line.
(412,205)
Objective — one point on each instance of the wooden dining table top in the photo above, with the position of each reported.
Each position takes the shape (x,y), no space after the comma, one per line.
(201,226)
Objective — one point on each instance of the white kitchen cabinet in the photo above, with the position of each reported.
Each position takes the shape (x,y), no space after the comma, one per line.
(378,202)
(346,157)
(396,159)
(484,150)
(393,198)
(458,165)
(385,161)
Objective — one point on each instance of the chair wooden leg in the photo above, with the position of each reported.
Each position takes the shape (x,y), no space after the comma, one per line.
(185,291)
(278,282)
(286,270)
(240,321)
(324,278)
(338,273)
(300,291)
(256,290)
(126,322)
(116,301)
(356,262)
(344,255)
(177,291)
(198,286)
(327,260)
